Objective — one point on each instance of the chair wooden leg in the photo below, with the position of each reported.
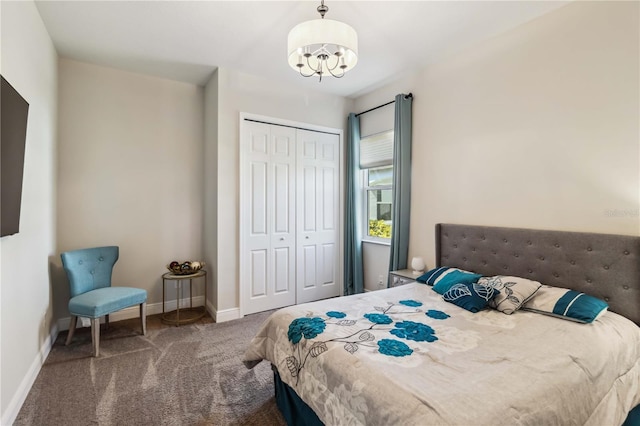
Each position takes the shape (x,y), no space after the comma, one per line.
(143,318)
(95,336)
(106,322)
(72,328)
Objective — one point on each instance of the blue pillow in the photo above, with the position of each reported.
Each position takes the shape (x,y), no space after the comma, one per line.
(566,304)
(442,273)
(455,277)
(472,296)
(431,276)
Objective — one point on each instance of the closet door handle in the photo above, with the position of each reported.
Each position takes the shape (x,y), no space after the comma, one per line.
(281,238)
(307,237)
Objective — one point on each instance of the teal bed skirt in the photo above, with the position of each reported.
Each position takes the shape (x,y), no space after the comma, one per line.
(294,410)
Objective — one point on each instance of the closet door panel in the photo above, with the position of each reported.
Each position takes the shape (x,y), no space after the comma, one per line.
(328,199)
(283,265)
(318,216)
(309,266)
(258,200)
(258,273)
(268,200)
(282,196)
(328,265)
(309,199)
(283,242)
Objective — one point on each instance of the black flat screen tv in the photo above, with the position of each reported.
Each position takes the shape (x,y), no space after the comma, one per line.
(13,132)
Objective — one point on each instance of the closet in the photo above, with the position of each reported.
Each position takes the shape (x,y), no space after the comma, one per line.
(290,214)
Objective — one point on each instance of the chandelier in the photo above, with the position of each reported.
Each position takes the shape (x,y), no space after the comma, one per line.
(322,46)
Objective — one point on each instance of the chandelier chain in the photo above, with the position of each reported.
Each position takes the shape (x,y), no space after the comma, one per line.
(322,9)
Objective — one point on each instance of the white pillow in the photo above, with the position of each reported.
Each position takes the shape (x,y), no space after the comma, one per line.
(514,291)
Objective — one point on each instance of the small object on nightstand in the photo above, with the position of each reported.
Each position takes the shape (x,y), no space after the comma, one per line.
(417,263)
(185,268)
(401,277)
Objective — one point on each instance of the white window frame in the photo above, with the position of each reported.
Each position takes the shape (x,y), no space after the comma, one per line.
(365,207)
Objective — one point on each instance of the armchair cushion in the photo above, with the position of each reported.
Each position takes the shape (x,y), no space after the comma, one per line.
(103,301)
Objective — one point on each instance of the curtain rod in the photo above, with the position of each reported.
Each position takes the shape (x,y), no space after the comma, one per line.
(410,95)
(375,108)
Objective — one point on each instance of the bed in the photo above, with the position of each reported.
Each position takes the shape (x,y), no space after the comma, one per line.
(405,356)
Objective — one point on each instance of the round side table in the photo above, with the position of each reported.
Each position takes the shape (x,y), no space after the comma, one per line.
(184,315)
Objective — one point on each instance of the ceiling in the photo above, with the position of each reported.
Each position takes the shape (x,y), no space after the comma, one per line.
(187,40)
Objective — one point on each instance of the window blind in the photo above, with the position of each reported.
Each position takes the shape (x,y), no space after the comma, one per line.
(376,150)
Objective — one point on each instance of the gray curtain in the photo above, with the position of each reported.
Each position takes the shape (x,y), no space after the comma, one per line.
(353,275)
(401,188)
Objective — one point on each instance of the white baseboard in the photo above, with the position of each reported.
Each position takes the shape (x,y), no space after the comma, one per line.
(224,314)
(10,414)
(134,311)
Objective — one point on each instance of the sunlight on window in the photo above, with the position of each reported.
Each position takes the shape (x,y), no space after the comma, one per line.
(379,201)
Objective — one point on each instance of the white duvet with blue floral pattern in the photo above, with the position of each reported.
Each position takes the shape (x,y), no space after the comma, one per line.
(403,356)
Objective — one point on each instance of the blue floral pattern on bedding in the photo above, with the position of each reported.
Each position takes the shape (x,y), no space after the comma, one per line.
(386,319)
(307,327)
(416,331)
(412,303)
(378,318)
(432,313)
(394,347)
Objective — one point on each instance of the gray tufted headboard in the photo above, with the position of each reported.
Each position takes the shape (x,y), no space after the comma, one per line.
(602,265)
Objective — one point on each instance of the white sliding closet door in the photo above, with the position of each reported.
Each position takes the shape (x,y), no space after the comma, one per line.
(289,215)
(318,220)
(268,221)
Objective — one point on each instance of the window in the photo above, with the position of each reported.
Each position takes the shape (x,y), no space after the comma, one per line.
(376,162)
(378,201)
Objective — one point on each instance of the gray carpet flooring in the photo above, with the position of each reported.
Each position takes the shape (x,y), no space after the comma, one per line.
(188,375)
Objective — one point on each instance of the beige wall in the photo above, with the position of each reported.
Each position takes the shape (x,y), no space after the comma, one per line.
(29,63)
(537,128)
(210,195)
(130,172)
(239,92)
(375,265)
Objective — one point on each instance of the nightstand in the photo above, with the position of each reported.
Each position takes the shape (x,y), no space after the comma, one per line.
(401,277)
(189,314)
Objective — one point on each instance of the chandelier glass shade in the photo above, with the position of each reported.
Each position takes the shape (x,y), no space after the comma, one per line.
(322,47)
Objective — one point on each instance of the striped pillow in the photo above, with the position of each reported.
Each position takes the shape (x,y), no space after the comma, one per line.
(430,277)
(566,304)
(443,278)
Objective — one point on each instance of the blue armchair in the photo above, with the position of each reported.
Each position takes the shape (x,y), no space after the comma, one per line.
(89,272)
